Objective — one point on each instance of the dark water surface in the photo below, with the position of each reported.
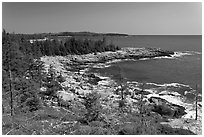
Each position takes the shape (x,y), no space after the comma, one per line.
(167,42)
(186,69)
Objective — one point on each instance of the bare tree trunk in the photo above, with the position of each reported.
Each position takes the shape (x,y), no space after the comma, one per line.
(11,92)
(196,109)
(40,75)
(196,99)
(10,80)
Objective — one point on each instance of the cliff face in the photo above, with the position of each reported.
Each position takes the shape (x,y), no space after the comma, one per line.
(78,82)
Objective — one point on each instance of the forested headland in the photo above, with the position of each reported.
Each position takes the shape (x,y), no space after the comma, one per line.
(31,105)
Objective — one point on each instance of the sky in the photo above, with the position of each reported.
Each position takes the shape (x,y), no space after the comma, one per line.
(136,18)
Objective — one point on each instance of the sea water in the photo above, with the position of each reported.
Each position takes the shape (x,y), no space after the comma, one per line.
(185,68)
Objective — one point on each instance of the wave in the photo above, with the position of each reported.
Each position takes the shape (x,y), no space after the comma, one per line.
(180,54)
(176,55)
(166,89)
(169,85)
(177,85)
(154,87)
(100,76)
(185,53)
(194,52)
(164,57)
(100,65)
(144,59)
(114,61)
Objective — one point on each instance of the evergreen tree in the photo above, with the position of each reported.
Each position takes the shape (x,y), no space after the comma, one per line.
(51,84)
(16,64)
(26,95)
(93,107)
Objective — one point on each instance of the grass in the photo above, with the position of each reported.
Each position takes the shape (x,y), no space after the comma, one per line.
(41,122)
(53,121)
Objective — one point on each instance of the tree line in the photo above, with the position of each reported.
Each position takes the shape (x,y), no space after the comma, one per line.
(71,46)
(22,70)
(56,47)
(22,97)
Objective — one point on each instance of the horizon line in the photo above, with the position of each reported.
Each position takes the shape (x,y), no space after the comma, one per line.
(96,33)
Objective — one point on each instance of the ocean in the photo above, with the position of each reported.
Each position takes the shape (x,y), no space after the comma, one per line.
(185,69)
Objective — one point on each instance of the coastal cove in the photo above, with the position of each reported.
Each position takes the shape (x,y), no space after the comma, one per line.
(76,70)
(102,68)
(184,69)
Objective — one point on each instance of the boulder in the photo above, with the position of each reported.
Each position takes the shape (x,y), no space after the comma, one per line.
(66,96)
(93,79)
(166,108)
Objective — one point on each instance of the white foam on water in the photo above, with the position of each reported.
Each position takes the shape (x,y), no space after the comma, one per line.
(164,57)
(169,85)
(129,60)
(194,52)
(133,82)
(175,55)
(144,59)
(101,77)
(166,92)
(103,82)
(180,54)
(101,66)
(114,61)
(149,90)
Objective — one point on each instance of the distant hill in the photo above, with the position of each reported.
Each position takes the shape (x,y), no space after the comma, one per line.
(67,34)
(88,34)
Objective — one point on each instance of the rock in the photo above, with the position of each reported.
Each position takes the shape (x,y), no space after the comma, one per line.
(91,75)
(166,108)
(191,125)
(169,104)
(43,89)
(93,79)
(66,96)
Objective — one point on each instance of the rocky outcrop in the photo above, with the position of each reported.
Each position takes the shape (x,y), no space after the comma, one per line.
(151,53)
(166,108)
(73,68)
(93,79)
(125,53)
(187,124)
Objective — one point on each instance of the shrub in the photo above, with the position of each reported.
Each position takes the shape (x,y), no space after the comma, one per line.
(167,130)
(27,95)
(89,130)
(139,125)
(93,106)
(60,78)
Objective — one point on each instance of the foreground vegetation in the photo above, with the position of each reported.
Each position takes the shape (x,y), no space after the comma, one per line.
(27,110)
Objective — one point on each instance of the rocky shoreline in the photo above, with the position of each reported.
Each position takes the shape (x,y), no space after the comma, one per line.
(78,82)
(124,53)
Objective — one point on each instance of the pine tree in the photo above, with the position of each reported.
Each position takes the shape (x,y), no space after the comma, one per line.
(15,66)
(93,107)
(51,84)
